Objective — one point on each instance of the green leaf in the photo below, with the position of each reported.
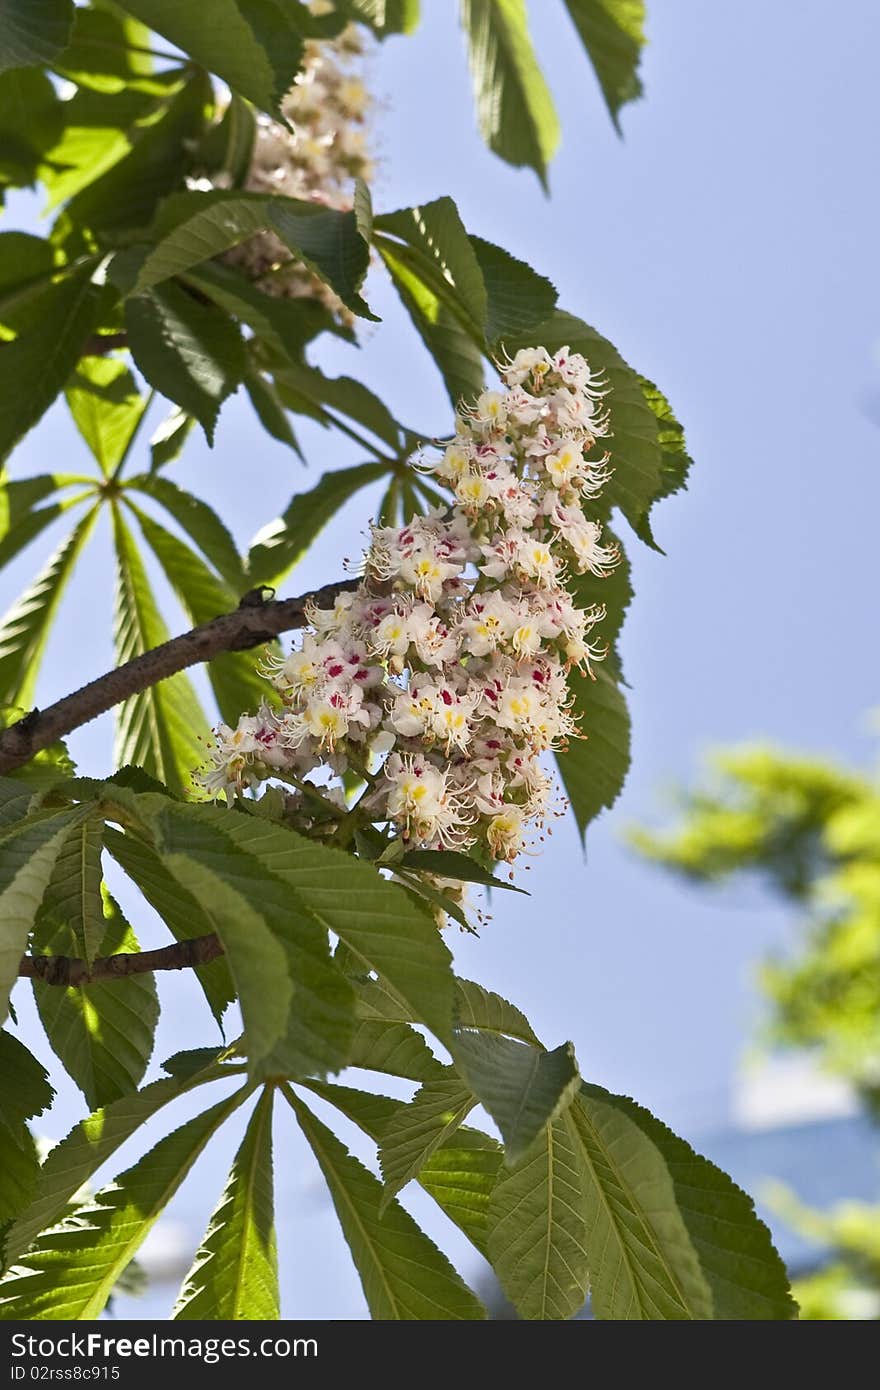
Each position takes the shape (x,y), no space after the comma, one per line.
(192,352)
(200,522)
(161,729)
(459,1175)
(594,768)
(537,1238)
(514,107)
(91,1142)
(675,461)
(404,1275)
(442,255)
(106,52)
(228,148)
(24,1084)
(103,1032)
(193,227)
(235,1272)
(27,857)
(522,1088)
(517,296)
(31,120)
(458,357)
(25,261)
(124,197)
(298,1008)
(24,1092)
(256,47)
(269,410)
(37,363)
(643,1264)
(309,391)
(433,1115)
(24,629)
(477,1007)
(72,906)
(449,864)
(235,676)
(169,438)
(282,543)
(106,406)
(182,914)
(70,1272)
(19,1173)
(612,32)
(747,1278)
(393,1048)
(286,326)
(33,31)
(375,919)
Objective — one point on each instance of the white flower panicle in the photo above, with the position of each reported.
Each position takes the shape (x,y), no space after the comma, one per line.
(444,677)
(318,161)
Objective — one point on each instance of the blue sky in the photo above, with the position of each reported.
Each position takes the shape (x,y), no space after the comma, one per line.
(727,247)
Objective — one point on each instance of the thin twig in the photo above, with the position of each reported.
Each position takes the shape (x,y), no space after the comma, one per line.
(252,623)
(70,972)
(99,344)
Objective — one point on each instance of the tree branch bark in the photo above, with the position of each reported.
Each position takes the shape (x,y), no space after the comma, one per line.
(69,971)
(99,344)
(254,621)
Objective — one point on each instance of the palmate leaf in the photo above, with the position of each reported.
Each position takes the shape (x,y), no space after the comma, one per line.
(522,1088)
(404,1275)
(19,1173)
(91,1143)
(33,31)
(479,1008)
(25,627)
(191,352)
(182,914)
(25,261)
(435,1112)
(307,390)
(235,1272)
(35,365)
(537,1227)
(102,1033)
(298,1009)
(613,35)
(746,1276)
(255,47)
(286,326)
(193,227)
(280,544)
(269,410)
(235,676)
(515,110)
(98,131)
(106,406)
(516,296)
(373,918)
(70,1272)
(161,729)
(28,854)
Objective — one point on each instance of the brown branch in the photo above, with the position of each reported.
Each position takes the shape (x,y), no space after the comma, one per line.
(252,623)
(68,971)
(99,344)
